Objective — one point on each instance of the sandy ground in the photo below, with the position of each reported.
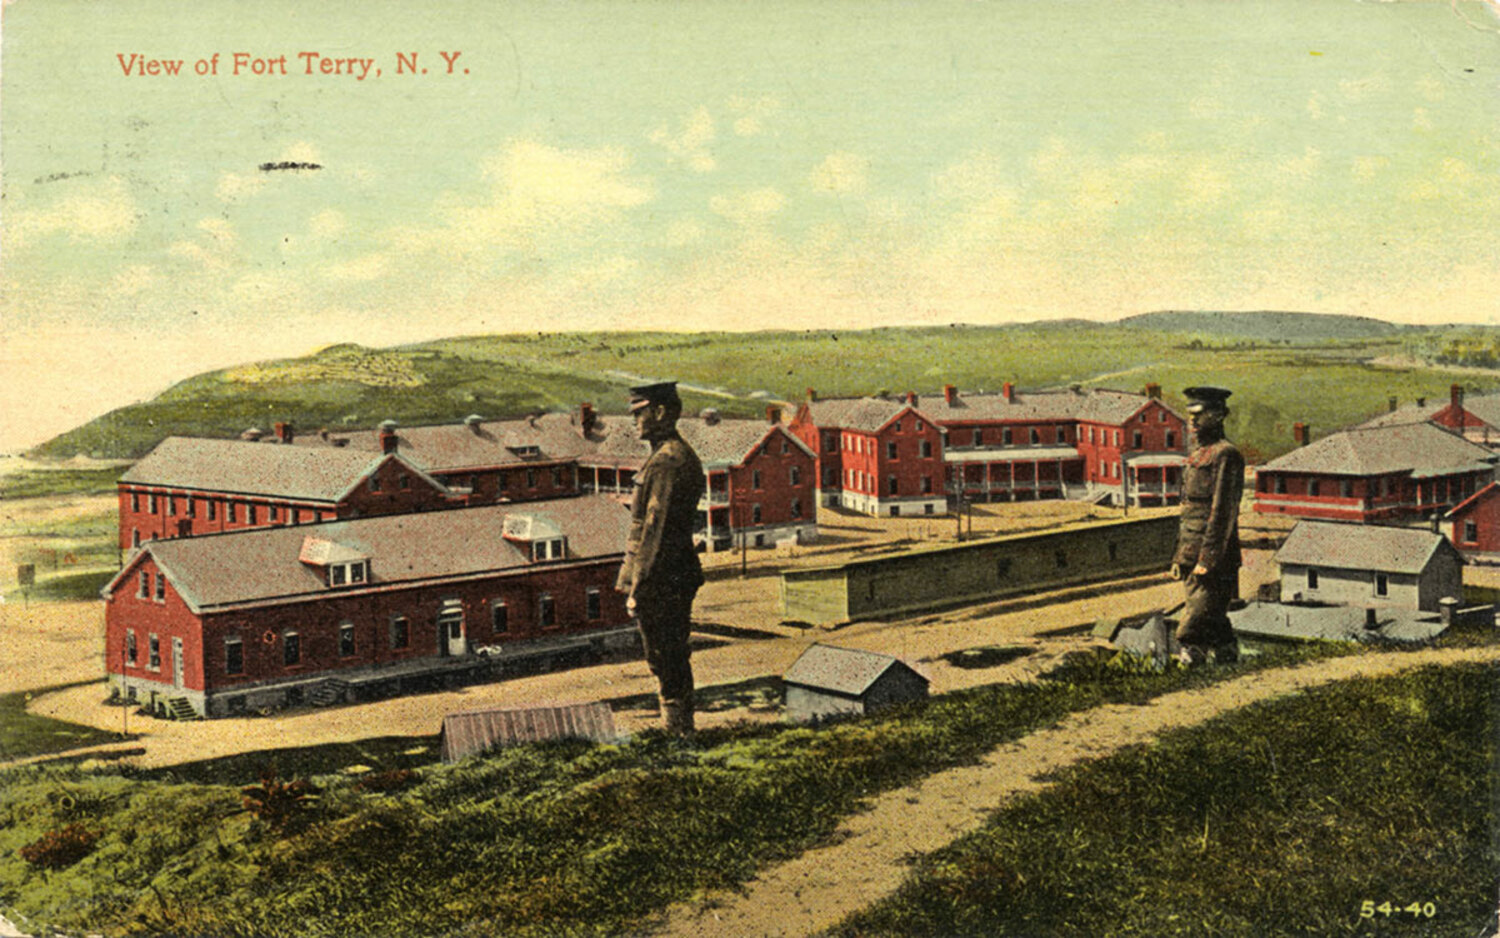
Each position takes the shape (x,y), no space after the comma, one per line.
(867,858)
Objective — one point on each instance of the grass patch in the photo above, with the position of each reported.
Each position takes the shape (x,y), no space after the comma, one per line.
(564,838)
(35,483)
(1282,818)
(66,588)
(382,753)
(24,734)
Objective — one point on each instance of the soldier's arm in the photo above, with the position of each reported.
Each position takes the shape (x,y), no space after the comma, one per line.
(656,494)
(1229,486)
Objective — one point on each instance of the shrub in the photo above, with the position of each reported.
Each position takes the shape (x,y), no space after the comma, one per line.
(391,780)
(275,801)
(61,847)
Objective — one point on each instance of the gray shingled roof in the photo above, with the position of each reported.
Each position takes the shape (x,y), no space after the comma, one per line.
(322,474)
(728,442)
(1360,547)
(1335,623)
(1486,407)
(1098,405)
(867,414)
(264,564)
(841,670)
(1423,449)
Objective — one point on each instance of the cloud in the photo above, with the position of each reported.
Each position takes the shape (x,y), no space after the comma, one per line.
(840,173)
(236,187)
(749,208)
(133,280)
(752,113)
(691,144)
(94,211)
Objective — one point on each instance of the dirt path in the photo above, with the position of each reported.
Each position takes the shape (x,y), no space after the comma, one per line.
(865,860)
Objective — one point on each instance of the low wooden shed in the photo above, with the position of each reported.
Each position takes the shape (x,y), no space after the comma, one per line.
(827,681)
(469,732)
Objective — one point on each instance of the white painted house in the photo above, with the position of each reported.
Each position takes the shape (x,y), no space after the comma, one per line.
(1368,565)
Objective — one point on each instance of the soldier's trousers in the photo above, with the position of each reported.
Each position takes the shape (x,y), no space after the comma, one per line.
(1205,618)
(666,623)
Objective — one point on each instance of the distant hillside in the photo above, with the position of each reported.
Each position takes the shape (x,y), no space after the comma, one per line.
(1265,326)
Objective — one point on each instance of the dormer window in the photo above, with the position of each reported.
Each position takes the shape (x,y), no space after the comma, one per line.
(539,536)
(339,564)
(550,549)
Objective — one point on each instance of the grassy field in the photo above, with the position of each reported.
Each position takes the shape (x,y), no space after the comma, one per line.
(33,483)
(1328,383)
(1365,807)
(566,838)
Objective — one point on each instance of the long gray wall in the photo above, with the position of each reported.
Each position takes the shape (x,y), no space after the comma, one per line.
(976,572)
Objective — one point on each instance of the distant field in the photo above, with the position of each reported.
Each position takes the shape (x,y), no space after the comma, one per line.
(1325,382)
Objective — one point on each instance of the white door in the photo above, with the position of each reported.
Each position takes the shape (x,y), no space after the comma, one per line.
(451,628)
(177,662)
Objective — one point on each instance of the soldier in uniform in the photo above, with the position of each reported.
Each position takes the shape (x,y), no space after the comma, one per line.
(661,573)
(1208,542)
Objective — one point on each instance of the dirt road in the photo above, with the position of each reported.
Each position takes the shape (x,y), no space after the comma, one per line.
(866,859)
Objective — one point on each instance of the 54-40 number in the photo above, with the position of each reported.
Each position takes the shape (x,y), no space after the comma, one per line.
(1368,909)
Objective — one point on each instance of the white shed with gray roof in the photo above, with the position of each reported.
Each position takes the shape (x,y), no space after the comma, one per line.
(1369,565)
(827,681)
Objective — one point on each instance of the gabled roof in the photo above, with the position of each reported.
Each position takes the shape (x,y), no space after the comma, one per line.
(729,442)
(1361,547)
(866,414)
(842,670)
(1484,494)
(457,447)
(1486,407)
(1096,405)
(254,468)
(265,564)
(1423,449)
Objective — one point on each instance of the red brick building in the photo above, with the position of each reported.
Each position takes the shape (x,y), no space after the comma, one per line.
(187,486)
(1380,474)
(1075,443)
(874,456)
(1476,417)
(353,609)
(762,481)
(1474,523)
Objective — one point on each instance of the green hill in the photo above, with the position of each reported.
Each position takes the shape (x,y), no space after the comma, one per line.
(1330,384)
(1265,326)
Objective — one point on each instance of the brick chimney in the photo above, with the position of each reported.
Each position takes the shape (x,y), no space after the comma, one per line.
(284,432)
(387,436)
(950,394)
(1009,390)
(710,416)
(1301,433)
(1421,402)
(773,413)
(911,398)
(587,419)
(1153,391)
(1456,396)
(812,395)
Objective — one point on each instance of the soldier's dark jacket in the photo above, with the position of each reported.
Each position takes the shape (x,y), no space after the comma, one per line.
(1209,533)
(659,553)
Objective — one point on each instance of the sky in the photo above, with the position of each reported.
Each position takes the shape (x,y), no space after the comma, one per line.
(604,164)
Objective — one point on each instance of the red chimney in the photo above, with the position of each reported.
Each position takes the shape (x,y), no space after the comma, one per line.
(1456,396)
(586,417)
(911,398)
(284,431)
(773,413)
(1009,390)
(950,394)
(387,436)
(1153,391)
(812,395)
(1301,433)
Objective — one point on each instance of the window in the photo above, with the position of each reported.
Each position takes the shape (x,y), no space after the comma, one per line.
(504,481)
(135,501)
(403,481)
(1117,437)
(1091,434)
(336,574)
(1062,435)
(1006,437)
(273,514)
(1135,439)
(546,611)
(153,652)
(375,483)
(593,603)
(145,589)
(892,485)
(1346,488)
(151,503)
(346,640)
(927,485)
(1278,485)
(831,442)
(1161,416)
(1036,437)
(794,474)
(924,449)
(213,510)
(400,632)
(890,450)
(895,511)
(161,587)
(1171,440)
(192,507)
(919,426)
(755,478)
(172,504)
(1382,585)
(135,537)
(557,477)
(531,478)
(230,512)
(358,570)
(1312,487)
(249,514)
(755,513)
(785,446)
(291,648)
(1312,578)
(796,508)
(1471,531)
(499,617)
(234,656)
(130,649)
(927,508)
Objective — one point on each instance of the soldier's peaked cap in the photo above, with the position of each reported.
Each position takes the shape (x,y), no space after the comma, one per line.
(663,392)
(1201,396)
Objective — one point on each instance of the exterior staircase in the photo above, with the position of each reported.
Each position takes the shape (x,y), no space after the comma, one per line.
(178,708)
(328,692)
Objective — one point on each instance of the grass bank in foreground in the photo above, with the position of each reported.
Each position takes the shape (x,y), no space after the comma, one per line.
(568,838)
(1360,808)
